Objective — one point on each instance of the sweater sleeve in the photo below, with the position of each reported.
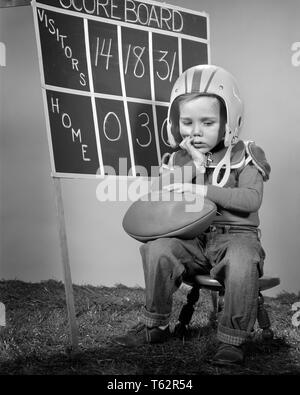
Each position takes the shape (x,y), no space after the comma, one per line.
(246,197)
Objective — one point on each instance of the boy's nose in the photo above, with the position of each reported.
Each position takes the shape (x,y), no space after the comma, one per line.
(197,131)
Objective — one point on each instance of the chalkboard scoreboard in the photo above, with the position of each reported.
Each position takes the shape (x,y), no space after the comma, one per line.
(107,70)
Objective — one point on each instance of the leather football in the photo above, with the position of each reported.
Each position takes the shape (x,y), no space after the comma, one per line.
(168,214)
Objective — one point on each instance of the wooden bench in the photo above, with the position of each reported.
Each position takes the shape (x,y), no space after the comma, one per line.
(217,293)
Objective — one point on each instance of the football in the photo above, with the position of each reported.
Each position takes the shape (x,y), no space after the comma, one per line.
(168,214)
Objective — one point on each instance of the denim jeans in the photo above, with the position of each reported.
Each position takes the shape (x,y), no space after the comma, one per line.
(234,258)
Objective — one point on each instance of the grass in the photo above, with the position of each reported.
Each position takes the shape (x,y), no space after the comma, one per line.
(36,339)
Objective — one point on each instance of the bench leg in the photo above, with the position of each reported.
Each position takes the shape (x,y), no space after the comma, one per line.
(187,311)
(262,314)
(263,319)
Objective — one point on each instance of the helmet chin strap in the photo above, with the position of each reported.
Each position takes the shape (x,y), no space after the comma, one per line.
(224,162)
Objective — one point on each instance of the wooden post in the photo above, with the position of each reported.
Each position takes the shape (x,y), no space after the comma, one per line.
(2,315)
(66,264)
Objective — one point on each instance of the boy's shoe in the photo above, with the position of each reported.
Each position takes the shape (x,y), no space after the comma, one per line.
(140,334)
(229,355)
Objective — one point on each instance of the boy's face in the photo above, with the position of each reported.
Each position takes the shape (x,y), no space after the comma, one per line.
(200,120)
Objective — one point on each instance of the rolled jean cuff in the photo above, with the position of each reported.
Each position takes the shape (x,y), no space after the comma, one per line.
(154,319)
(232,336)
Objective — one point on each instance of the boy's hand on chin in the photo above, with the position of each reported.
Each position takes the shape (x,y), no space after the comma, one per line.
(187,145)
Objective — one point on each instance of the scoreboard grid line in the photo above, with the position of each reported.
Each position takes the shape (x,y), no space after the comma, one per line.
(103,95)
(44,93)
(93,101)
(153,95)
(128,126)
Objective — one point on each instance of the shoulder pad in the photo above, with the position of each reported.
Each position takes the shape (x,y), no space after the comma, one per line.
(238,154)
(258,158)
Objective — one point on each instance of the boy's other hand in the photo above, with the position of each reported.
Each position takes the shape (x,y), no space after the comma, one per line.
(187,145)
(187,187)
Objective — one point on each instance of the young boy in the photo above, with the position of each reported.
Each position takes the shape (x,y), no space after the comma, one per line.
(204,119)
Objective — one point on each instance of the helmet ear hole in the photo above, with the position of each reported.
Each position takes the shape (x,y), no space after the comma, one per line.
(239,121)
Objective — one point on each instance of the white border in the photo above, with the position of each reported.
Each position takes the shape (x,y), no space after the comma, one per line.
(180,55)
(98,176)
(176,7)
(121,70)
(44,93)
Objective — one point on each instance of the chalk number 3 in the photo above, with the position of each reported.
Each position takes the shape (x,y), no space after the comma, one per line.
(145,124)
(168,74)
